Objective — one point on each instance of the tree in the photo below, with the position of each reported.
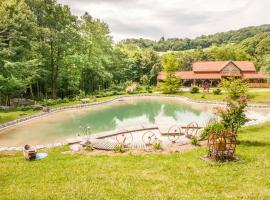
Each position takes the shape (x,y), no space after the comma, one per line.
(233,117)
(17,40)
(170,65)
(171,84)
(265,63)
(234,87)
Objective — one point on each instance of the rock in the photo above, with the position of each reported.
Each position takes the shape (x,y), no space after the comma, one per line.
(21,102)
(37,107)
(45,109)
(85,100)
(6,107)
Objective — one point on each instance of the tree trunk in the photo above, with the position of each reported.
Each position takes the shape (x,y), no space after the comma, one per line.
(53,81)
(7,100)
(31,91)
(38,91)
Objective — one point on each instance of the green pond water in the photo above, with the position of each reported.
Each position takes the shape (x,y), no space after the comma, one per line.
(125,114)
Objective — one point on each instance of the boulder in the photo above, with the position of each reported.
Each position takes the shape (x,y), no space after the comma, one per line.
(22,102)
(45,109)
(37,107)
(85,100)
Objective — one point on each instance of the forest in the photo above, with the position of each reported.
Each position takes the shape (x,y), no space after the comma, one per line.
(46,52)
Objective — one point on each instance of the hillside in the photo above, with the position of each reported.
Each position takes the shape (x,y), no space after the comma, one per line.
(204,41)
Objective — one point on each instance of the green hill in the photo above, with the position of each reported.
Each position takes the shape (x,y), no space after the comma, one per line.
(204,41)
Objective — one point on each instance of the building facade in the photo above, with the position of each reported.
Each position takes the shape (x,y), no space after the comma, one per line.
(211,72)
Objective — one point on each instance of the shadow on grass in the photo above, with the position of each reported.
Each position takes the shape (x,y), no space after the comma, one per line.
(254,143)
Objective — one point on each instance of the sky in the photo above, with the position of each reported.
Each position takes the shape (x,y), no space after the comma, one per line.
(153,19)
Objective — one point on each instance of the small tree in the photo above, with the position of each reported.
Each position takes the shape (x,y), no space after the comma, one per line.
(233,117)
(234,87)
(171,84)
(170,65)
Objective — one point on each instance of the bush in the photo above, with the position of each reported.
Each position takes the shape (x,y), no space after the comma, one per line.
(52,102)
(194,140)
(119,148)
(157,146)
(233,117)
(24,108)
(117,87)
(234,87)
(131,89)
(215,127)
(194,90)
(217,91)
(171,84)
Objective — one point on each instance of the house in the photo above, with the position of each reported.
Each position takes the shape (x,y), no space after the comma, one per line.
(212,72)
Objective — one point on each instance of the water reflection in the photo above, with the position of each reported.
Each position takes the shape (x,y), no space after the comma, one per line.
(108,117)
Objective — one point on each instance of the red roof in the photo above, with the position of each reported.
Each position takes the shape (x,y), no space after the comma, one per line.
(191,75)
(255,75)
(212,70)
(217,66)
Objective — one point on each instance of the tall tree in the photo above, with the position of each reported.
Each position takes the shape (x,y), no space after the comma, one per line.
(17,38)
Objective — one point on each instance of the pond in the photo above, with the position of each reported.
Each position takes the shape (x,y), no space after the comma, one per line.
(127,113)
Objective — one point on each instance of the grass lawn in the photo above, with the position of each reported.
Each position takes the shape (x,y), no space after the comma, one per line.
(254,97)
(174,176)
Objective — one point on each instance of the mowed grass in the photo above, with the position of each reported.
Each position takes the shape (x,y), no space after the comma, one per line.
(174,176)
(262,97)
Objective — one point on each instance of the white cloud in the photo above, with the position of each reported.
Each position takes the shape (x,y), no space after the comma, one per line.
(173,18)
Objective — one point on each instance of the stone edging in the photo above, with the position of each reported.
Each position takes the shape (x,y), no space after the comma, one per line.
(29,118)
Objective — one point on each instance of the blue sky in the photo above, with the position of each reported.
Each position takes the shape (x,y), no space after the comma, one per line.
(173,18)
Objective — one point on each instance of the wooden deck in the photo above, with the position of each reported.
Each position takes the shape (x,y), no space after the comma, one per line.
(107,145)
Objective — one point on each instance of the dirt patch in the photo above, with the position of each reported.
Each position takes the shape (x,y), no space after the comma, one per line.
(175,148)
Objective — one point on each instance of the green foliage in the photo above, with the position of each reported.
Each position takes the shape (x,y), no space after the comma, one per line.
(215,127)
(120,148)
(145,80)
(265,63)
(233,117)
(171,84)
(194,140)
(194,90)
(47,52)
(178,44)
(217,91)
(157,146)
(170,63)
(52,102)
(234,87)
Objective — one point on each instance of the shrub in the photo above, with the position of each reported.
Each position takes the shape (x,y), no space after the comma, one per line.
(234,87)
(194,140)
(215,127)
(131,89)
(171,84)
(119,148)
(157,146)
(24,108)
(233,117)
(217,91)
(194,90)
(117,87)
